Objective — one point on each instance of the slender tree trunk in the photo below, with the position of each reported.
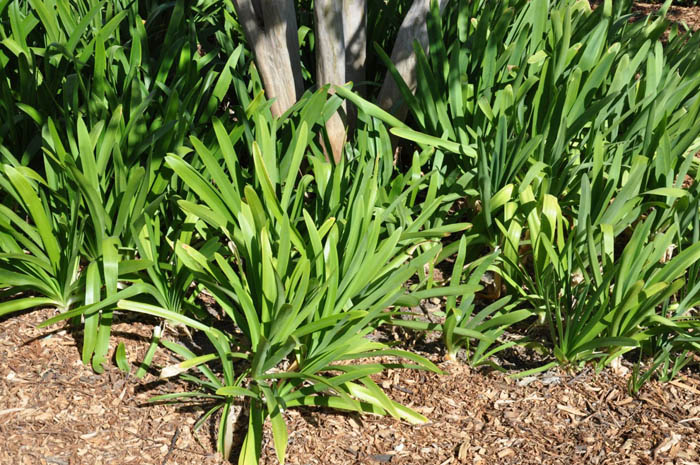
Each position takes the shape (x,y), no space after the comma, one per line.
(414,27)
(270,27)
(330,63)
(355,31)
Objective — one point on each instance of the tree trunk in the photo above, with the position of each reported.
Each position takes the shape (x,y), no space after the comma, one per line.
(413,27)
(270,27)
(330,63)
(355,32)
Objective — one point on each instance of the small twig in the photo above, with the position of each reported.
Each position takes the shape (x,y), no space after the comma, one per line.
(173,441)
(583,373)
(684,386)
(56,460)
(189,451)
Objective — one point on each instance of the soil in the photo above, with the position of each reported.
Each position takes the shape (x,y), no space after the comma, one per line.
(54,410)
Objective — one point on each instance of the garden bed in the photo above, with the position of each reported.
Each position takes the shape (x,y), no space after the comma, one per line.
(553,185)
(54,410)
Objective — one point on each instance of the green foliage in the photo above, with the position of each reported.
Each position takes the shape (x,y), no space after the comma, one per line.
(585,128)
(549,146)
(40,245)
(100,103)
(303,291)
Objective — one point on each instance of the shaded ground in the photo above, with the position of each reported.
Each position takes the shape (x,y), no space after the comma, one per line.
(55,411)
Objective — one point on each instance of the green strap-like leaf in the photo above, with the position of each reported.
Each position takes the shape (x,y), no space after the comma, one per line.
(38,213)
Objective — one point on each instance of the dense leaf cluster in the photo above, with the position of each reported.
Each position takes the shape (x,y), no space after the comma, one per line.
(547,168)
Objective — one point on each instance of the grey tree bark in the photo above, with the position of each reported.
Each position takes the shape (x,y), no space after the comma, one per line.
(270,26)
(355,34)
(413,27)
(330,64)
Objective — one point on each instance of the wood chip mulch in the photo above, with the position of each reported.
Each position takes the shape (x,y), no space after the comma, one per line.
(482,418)
(689,15)
(53,410)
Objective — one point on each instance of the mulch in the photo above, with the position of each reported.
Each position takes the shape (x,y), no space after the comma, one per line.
(689,15)
(54,410)
(486,418)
